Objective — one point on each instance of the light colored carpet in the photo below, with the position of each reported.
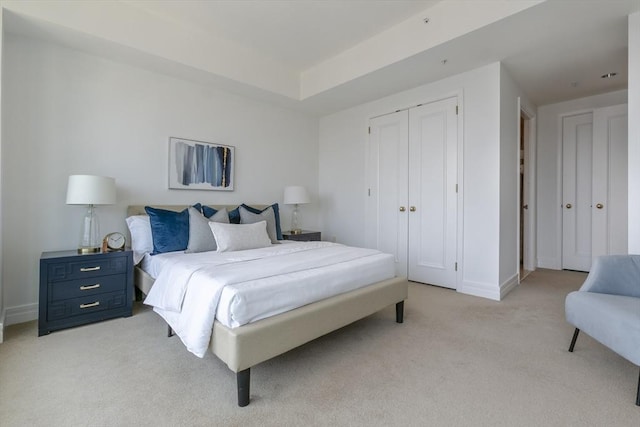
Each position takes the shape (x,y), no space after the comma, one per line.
(456,361)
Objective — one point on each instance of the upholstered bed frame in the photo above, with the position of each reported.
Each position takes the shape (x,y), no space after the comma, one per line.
(246,346)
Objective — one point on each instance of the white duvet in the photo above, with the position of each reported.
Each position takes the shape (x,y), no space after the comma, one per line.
(191,290)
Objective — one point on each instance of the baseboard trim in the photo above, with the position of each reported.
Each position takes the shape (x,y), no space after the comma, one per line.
(21,313)
(509,285)
(478,289)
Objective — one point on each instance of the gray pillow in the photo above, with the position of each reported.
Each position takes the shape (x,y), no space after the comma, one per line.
(248,217)
(200,236)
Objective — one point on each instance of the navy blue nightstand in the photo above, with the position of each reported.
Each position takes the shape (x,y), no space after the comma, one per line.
(79,289)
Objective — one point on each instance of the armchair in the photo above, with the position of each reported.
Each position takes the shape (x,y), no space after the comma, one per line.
(607,307)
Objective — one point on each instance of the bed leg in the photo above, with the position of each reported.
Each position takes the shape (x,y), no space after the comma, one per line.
(400,312)
(170,332)
(243,378)
(138,294)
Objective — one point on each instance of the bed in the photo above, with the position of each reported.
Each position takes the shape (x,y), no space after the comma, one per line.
(245,346)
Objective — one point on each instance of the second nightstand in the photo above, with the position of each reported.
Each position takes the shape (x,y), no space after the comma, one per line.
(305,236)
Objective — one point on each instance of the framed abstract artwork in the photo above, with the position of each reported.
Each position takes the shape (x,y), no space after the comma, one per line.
(197,165)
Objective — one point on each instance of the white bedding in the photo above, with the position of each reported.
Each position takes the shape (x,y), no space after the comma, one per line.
(237,288)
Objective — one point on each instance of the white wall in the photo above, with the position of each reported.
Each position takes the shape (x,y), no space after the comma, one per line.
(549,186)
(70,112)
(509,178)
(2,313)
(634,133)
(343,188)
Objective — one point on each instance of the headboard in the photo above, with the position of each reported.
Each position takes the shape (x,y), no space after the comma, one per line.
(139,209)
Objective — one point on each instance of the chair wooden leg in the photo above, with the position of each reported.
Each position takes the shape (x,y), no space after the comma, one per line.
(573,340)
(638,393)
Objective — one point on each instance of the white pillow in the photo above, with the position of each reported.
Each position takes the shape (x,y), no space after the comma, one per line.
(238,237)
(141,238)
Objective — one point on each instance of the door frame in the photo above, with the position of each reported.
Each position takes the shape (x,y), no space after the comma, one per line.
(530,161)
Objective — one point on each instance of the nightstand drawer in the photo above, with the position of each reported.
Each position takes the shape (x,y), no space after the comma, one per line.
(86,305)
(87,268)
(86,287)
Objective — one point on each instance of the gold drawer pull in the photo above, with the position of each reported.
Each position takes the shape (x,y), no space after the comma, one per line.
(83,269)
(87,287)
(92,304)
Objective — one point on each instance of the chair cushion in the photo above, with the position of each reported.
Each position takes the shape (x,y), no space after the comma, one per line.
(613,320)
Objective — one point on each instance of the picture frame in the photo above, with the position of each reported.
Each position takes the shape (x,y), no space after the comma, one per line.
(199,165)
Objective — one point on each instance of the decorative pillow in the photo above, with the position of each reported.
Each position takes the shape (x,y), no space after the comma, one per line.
(208,211)
(141,239)
(169,229)
(276,213)
(234,215)
(248,217)
(200,236)
(238,237)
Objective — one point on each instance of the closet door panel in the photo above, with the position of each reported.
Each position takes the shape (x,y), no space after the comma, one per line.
(609,201)
(432,193)
(388,187)
(428,223)
(577,161)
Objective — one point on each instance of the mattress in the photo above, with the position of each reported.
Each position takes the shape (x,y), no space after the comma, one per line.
(288,276)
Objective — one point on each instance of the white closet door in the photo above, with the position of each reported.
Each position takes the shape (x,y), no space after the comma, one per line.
(609,201)
(577,165)
(388,181)
(433,144)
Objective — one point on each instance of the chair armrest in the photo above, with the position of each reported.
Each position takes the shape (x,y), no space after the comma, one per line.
(615,275)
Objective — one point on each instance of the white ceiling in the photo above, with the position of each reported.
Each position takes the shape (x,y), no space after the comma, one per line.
(298,33)
(556,50)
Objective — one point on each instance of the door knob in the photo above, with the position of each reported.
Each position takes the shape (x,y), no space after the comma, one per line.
(402,209)
(568,205)
(412,208)
(599,206)
(525,207)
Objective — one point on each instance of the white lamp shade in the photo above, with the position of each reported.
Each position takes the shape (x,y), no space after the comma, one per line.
(91,190)
(295,195)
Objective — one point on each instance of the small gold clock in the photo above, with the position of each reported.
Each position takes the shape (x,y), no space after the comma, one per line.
(113,242)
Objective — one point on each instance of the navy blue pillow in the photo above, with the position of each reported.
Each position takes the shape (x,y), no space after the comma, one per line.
(234,215)
(169,229)
(276,212)
(208,212)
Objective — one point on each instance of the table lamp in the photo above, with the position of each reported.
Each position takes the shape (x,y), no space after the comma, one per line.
(90,190)
(295,195)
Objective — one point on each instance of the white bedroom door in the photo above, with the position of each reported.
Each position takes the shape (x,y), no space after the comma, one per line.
(433,171)
(388,187)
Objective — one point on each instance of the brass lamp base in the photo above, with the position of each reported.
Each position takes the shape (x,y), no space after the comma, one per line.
(88,250)
(296,231)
